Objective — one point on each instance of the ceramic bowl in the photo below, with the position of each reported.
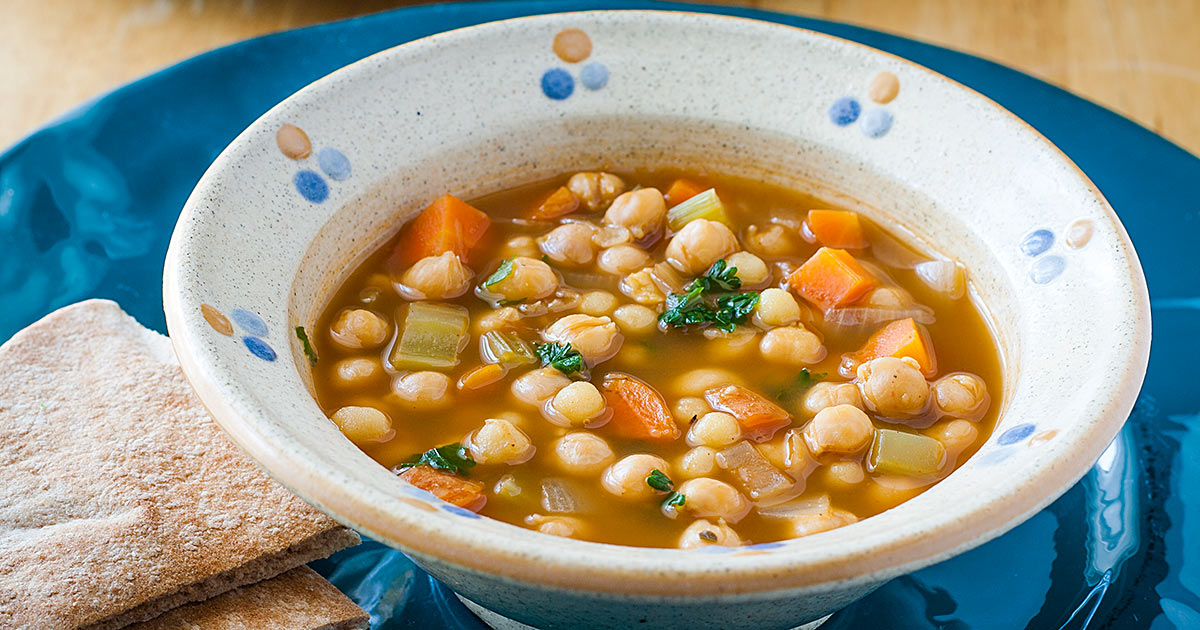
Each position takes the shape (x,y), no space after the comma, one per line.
(325,177)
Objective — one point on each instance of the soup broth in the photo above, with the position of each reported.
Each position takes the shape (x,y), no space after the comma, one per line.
(586,358)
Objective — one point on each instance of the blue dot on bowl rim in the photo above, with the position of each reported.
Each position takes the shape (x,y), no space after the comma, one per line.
(249,322)
(454,509)
(594,75)
(557,83)
(335,163)
(259,348)
(994,457)
(1037,242)
(876,123)
(311,186)
(767,546)
(1016,434)
(1046,269)
(844,111)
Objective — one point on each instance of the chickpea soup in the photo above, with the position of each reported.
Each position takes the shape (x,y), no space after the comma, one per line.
(722,363)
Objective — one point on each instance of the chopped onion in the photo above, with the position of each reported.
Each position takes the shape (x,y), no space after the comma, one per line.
(817,506)
(871,316)
(558,496)
(758,477)
(944,276)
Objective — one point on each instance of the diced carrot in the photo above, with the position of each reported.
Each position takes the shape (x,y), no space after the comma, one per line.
(901,338)
(831,278)
(759,417)
(683,189)
(447,225)
(837,228)
(639,411)
(481,376)
(448,487)
(559,203)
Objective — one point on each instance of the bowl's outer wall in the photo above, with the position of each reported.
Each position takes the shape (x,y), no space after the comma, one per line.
(955,168)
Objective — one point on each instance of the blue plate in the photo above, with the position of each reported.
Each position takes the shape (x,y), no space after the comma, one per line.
(87,205)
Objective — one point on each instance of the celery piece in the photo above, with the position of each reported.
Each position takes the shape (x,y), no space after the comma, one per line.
(431,336)
(706,205)
(505,348)
(897,452)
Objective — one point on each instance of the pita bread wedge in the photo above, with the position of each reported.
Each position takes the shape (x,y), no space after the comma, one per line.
(297,600)
(120,498)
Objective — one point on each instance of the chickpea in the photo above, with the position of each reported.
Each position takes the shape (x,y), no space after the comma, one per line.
(530,279)
(956,435)
(537,386)
(627,477)
(843,429)
(776,307)
(775,451)
(723,346)
(700,380)
(596,338)
(499,319)
(771,241)
(633,355)
(793,345)
(569,244)
(596,303)
(700,244)
(703,533)
(641,287)
(595,190)
(623,259)
(643,212)
(579,404)
(359,328)
(636,320)
(709,497)
(523,245)
(363,424)
(435,278)
(499,442)
(611,236)
(751,269)
(960,394)
(357,372)
(697,462)
(582,453)
(423,390)
(690,407)
(893,387)
(887,297)
(716,429)
(565,526)
(824,395)
(845,473)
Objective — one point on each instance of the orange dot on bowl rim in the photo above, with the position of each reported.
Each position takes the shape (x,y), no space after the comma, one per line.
(1044,436)
(293,142)
(572,45)
(219,322)
(884,87)
(1079,233)
(418,504)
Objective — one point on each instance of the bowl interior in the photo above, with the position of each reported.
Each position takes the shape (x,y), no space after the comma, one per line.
(261,244)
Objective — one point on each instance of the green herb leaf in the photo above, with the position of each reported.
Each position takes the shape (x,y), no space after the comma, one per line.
(659,481)
(806,379)
(674,499)
(308,349)
(734,309)
(692,307)
(503,271)
(560,356)
(719,277)
(451,457)
(510,302)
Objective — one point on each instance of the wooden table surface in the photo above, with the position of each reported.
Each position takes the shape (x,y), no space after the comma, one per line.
(1138,57)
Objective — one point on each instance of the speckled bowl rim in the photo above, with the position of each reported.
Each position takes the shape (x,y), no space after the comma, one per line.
(577,565)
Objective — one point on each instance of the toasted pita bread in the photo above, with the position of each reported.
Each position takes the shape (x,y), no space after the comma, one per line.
(297,600)
(120,498)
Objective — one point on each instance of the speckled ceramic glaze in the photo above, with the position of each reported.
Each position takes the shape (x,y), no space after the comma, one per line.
(328,175)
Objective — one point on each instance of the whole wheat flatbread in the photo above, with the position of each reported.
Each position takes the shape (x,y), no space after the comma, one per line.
(297,600)
(120,498)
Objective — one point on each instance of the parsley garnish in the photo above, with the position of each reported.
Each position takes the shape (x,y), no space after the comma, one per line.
(503,271)
(685,309)
(793,391)
(659,481)
(308,349)
(560,356)
(674,499)
(806,379)
(451,457)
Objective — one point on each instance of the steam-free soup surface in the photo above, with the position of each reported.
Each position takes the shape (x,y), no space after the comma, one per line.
(658,359)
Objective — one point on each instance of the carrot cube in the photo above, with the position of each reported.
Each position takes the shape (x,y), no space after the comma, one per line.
(683,189)
(447,225)
(559,203)
(447,487)
(831,278)
(901,338)
(639,411)
(836,228)
(760,418)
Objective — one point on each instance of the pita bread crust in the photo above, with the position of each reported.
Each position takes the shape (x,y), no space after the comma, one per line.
(297,600)
(118,491)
